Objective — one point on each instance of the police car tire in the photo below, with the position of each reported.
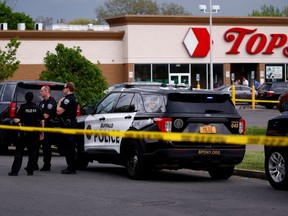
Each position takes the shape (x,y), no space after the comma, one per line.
(81,163)
(134,162)
(221,173)
(276,167)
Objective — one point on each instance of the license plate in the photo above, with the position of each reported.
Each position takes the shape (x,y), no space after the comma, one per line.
(208,129)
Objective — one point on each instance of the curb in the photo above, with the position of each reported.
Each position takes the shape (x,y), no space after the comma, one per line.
(250,174)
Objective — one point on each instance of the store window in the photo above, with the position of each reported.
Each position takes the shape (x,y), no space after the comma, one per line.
(179,68)
(160,73)
(201,70)
(143,72)
(274,72)
(218,75)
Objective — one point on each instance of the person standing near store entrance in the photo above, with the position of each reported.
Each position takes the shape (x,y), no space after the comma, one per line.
(28,114)
(48,106)
(67,111)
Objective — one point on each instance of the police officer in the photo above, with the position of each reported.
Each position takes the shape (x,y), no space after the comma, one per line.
(48,106)
(28,114)
(67,110)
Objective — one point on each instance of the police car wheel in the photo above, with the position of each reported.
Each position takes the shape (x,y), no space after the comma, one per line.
(221,173)
(81,163)
(134,163)
(276,167)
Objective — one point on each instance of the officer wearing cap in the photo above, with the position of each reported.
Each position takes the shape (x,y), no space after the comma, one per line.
(67,110)
(28,114)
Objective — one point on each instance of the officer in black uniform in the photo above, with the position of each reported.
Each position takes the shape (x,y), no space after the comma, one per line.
(48,106)
(28,114)
(67,110)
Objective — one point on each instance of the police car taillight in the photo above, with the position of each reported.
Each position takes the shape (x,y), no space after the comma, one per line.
(12,109)
(242,126)
(270,93)
(78,110)
(164,124)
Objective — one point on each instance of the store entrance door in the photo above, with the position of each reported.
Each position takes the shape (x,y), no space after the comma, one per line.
(180,78)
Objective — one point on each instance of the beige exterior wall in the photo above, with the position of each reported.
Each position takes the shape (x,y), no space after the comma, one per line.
(145,39)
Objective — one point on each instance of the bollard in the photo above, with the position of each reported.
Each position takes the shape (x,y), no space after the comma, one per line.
(253,98)
(233,95)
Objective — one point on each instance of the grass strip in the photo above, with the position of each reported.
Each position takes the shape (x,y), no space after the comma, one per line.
(253,160)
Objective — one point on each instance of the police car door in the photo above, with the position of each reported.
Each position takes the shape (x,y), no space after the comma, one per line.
(116,112)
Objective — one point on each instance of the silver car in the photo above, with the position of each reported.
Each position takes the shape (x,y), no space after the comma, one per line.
(241,91)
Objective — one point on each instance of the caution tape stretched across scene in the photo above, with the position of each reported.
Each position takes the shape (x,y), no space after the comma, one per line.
(190,137)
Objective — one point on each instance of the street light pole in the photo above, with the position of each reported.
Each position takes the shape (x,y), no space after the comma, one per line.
(211,49)
(212,9)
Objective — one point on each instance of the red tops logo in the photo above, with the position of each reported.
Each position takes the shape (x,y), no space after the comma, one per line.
(236,35)
(197,43)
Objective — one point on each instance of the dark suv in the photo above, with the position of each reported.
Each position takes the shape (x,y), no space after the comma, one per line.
(12,96)
(270,91)
(163,110)
(276,157)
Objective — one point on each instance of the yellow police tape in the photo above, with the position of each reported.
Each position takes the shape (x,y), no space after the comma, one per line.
(190,137)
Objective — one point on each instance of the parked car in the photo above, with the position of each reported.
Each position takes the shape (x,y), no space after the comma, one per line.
(241,91)
(12,95)
(276,157)
(144,85)
(271,91)
(162,110)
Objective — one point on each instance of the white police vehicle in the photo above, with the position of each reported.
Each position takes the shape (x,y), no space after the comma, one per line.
(165,110)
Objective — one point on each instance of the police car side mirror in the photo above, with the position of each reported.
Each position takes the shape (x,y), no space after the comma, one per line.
(88,110)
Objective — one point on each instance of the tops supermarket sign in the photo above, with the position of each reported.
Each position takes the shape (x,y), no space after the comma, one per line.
(256,42)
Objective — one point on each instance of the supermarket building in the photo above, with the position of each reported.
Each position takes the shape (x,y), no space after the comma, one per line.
(168,49)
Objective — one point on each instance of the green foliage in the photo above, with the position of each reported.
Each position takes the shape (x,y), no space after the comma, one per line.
(270,11)
(255,131)
(8,62)
(124,7)
(173,9)
(12,19)
(81,21)
(253,160)
(68,65)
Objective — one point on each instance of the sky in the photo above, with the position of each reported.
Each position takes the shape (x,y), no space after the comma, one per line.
(75,9)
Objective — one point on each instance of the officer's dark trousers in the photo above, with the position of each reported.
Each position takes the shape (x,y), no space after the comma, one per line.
(29,140)
(70,152)
(46,146)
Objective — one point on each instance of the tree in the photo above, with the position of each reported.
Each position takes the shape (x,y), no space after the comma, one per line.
(81,21)
(46,21)
(173,9)
(270,11)
(8,62)
(11,3)
(69,65)
(123,7)
(12,19)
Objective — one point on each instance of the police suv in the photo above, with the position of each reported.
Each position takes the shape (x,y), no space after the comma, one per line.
(163,110)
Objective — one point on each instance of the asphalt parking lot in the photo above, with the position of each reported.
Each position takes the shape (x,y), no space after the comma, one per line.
(257,117)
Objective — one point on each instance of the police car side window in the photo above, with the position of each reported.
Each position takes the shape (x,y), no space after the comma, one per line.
(154,103)
(124,103)
(137,102)
(107,105)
